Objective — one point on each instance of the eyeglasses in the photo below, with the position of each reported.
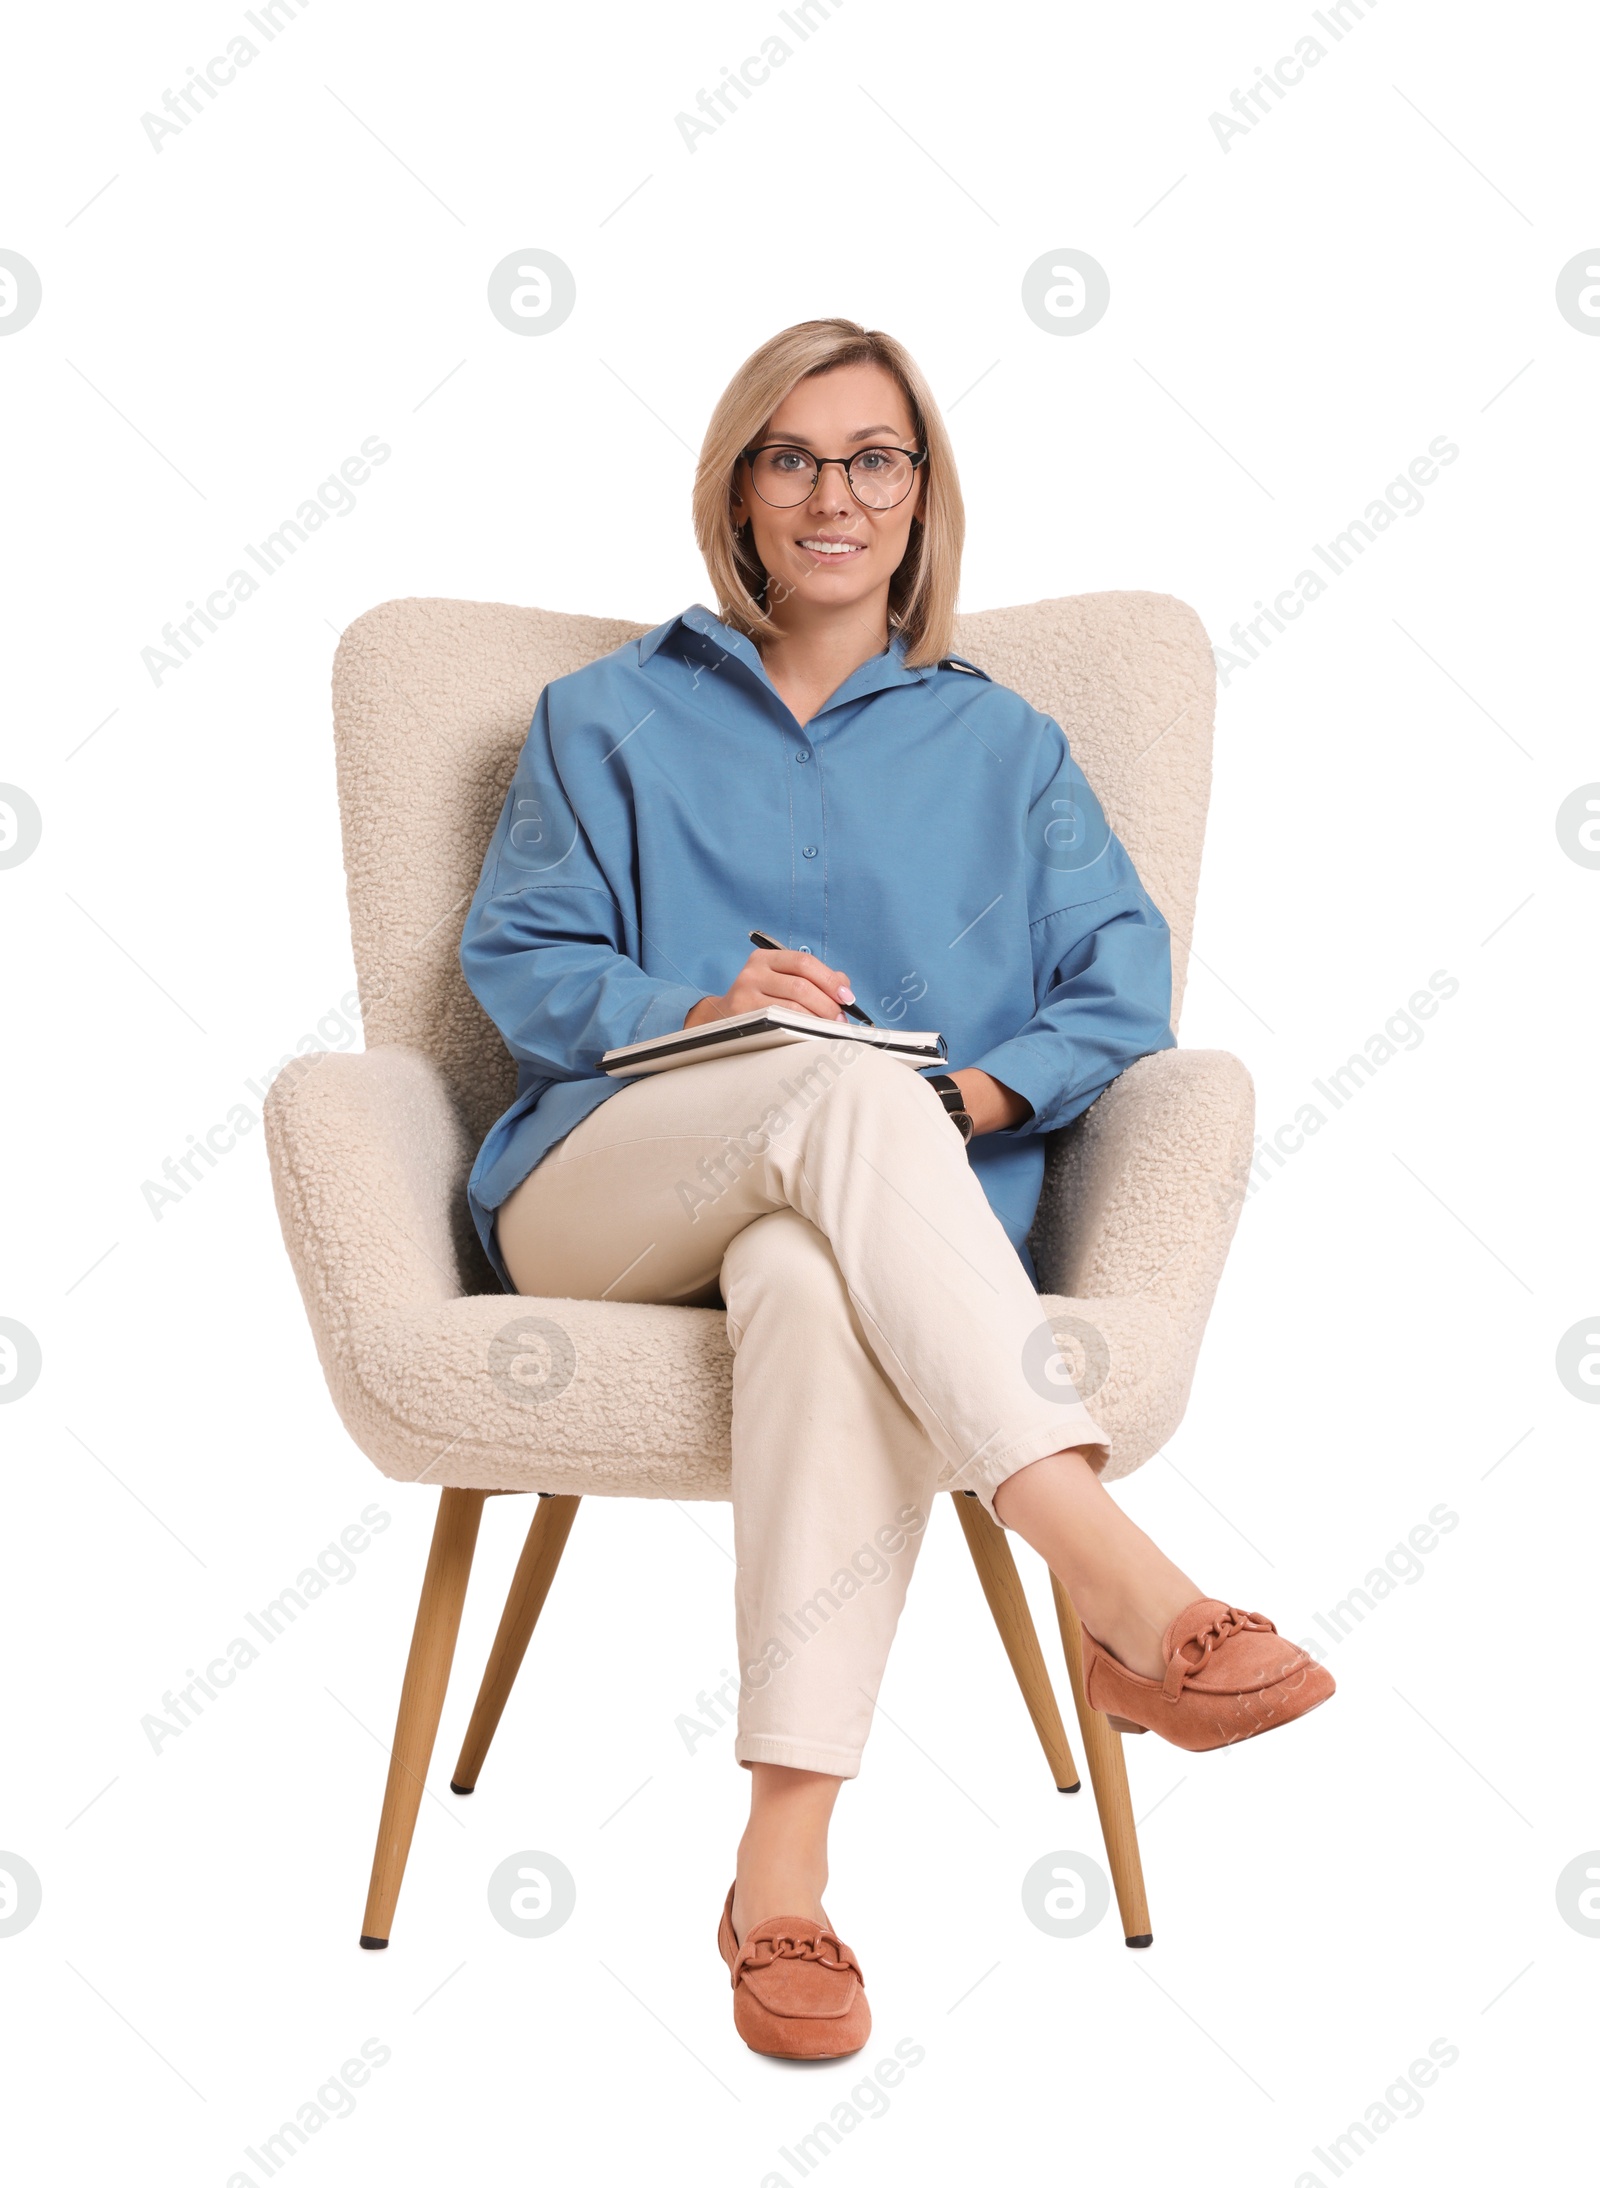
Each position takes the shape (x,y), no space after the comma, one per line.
(878,477)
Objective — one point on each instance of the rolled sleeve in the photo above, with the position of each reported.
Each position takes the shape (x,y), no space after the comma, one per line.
(666,1011)
(1107,1002)
(546,966)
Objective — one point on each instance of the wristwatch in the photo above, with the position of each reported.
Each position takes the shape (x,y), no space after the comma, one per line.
(954,1102)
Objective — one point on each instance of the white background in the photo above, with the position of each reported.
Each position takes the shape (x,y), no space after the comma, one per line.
(303,266)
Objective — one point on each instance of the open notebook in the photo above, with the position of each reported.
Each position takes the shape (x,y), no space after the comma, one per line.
(770,1028)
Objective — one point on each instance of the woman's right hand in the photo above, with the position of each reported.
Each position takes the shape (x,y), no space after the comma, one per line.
(793,978)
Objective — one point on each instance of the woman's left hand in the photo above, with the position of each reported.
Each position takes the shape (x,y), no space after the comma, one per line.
(991,1106)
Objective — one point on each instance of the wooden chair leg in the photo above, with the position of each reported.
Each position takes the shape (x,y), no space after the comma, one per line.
(530,1584)
(1109,1776)
(433,1645)
(997,1570)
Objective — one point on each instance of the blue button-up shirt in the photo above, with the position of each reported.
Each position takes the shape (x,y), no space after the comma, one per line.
(927,833)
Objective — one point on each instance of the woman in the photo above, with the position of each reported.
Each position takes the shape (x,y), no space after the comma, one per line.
(810,763)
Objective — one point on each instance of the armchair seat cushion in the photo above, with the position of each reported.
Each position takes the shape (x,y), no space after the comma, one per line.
(584,1397)
(588,1397)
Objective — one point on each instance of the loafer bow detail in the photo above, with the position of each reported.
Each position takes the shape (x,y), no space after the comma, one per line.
(1220,1622)
(767,1943)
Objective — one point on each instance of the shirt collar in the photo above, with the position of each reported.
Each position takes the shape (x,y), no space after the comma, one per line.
(699,633)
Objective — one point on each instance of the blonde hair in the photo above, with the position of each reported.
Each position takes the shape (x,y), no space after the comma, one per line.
(922,592)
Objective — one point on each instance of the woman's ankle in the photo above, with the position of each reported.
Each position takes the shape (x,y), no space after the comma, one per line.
(782,1866)
(769,1883)
(1132,1629)
(1125,1590)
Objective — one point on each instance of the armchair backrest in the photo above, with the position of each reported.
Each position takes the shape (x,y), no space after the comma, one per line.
(432,700)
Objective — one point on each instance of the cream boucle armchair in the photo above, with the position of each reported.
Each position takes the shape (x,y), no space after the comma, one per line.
(444,1379)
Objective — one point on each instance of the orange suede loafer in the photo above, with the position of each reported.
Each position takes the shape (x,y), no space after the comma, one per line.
(797,1989)
(1229,1675)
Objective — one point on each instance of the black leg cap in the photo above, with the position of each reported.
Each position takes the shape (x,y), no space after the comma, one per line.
(1147,1939)
(460,1788)
(1078,1788)
(374,1944)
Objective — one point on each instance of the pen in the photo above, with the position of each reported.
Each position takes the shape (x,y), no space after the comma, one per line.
(765,942)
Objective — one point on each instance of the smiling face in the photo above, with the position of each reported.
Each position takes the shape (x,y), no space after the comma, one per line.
(828,551)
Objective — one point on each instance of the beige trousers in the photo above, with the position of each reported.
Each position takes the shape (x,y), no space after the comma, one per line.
(887,1341)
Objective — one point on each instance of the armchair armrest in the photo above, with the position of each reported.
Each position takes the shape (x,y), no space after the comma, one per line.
(1143,1191)
(369,1161)
(1141,1197)
(425,1356)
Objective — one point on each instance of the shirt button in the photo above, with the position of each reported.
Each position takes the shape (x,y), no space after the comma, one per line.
(809,851)
(801,758)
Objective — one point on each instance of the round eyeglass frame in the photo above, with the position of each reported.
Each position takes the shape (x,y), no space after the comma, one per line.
(917,457)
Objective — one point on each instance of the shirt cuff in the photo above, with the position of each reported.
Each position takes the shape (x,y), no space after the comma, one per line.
(664,1013)
(1019,1065)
